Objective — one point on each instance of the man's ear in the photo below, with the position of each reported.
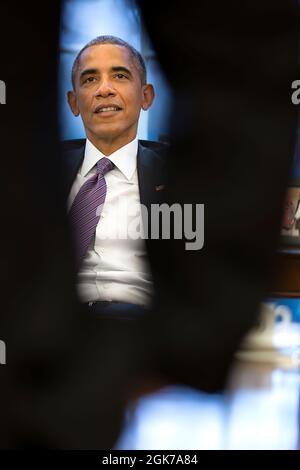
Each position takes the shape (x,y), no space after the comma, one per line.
(72,100)
(148,96)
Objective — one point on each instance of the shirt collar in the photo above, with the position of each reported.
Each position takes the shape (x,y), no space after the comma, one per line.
(124,158)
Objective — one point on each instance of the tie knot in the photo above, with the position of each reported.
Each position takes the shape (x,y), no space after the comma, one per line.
(104,165)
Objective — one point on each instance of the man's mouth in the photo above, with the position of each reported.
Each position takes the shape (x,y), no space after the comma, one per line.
(107,109)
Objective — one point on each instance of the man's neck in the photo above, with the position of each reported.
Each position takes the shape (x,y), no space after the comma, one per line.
(108,147)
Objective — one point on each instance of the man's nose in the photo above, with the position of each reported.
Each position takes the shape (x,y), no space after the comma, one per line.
(104,89)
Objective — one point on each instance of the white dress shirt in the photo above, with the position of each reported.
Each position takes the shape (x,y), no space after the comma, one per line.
(115,267)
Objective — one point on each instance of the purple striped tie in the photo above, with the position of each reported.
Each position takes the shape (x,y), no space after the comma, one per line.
(86,209)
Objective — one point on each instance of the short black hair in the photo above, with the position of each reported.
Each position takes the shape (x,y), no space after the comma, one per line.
(137,57)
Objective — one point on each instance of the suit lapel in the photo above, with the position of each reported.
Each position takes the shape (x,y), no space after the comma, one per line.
(73,158)
(151,176)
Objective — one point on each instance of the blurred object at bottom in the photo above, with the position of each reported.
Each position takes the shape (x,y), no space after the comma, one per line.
(275,340)
(258,411)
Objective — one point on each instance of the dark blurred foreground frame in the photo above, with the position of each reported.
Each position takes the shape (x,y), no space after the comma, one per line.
(231,65)
(68,375)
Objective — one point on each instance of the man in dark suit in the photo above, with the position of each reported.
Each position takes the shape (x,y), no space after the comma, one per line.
(109,90)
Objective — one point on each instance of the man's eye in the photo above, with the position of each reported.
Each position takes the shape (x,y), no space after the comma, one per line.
(89,79)
(120,75)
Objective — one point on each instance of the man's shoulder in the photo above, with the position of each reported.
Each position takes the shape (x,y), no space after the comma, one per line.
(154,145)
(72,144)
(158,149)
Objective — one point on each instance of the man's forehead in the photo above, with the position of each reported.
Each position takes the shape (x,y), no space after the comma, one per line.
(106,56)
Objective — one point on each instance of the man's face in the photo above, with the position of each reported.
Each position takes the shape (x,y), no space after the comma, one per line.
(109,94)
